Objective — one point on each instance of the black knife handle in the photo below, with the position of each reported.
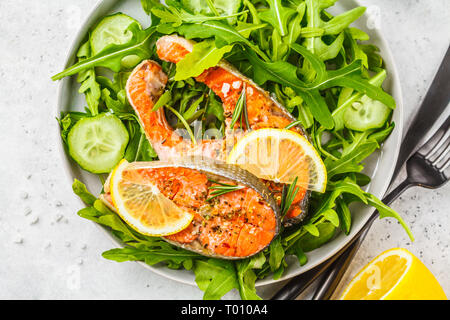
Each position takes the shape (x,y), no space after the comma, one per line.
(433,105)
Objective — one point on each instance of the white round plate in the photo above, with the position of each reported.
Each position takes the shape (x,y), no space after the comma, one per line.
(379,166)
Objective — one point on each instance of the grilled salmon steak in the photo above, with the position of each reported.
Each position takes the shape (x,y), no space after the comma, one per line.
(234,225)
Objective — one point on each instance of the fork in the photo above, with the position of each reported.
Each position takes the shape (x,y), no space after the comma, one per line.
(425,168)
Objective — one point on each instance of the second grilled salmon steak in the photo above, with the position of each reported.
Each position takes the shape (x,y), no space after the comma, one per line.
(234,225)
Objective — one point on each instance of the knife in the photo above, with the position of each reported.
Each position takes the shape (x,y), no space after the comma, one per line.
(435,102)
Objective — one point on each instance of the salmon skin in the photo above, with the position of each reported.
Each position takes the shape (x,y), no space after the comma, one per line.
(235,225)
(147,82)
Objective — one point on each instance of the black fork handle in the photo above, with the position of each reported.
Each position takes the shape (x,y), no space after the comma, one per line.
(300,283)
(333,277)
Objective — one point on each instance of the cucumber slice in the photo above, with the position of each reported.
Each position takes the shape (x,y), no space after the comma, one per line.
(366,114)
(114,30)
(98,143)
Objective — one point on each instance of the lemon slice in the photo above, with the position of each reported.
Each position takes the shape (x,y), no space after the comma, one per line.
(142,206)
(395,274)
(280,155)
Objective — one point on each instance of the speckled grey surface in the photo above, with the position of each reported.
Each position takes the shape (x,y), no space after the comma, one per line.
(48,252)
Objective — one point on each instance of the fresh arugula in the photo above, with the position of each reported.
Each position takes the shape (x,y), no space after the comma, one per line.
(176,16)
(278,16)
(334,26)
(204,55)
(223,33)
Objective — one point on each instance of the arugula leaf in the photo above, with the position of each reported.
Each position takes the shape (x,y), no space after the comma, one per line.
(115,106)
(68,121)
(80,190)
(336,25)
(214,107)
(147,5)
(297,250)
(331,216)
(325,232)
(346,185)
(386,212)
(165,98)
(87,78)
(361,85)
(312,229)
(381,136)
(356,52)
(215,277)
(350,162)
(163,253)
(345,216)
(222,32)
(218,7)
(246,29)
(177,15)
(276,254)
(247,277)
(340,22)
(285,73)
(111,57)
(374,59)
(317,64)
(278,16)
(204,55)
(139,148)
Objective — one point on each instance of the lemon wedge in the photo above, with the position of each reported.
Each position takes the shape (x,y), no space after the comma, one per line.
(280,155)
(395,274)
(142,206)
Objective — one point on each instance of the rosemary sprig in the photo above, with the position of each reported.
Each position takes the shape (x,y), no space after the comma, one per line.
(222,188)
(184,122)
(240,111)
(293,124)
(288,196)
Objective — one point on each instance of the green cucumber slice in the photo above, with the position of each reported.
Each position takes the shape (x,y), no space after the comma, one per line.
(366,114)
(114,30)
(111,30)
(98,143)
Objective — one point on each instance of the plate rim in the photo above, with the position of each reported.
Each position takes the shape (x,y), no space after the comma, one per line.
(399,127)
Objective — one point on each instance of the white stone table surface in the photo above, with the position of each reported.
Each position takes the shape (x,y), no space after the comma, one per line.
(48,252)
